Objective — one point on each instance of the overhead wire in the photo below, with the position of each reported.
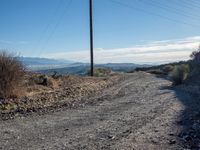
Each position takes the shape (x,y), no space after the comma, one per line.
(170,9)
(56,26)
(183,5)
(190,3)
(47,26)
(179,6)
(153,13)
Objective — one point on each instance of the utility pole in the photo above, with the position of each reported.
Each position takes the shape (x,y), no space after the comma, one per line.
(91,42)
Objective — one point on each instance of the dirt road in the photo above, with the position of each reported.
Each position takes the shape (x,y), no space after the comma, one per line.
(139,113)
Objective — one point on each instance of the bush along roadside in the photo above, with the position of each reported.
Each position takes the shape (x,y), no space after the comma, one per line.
(11,76)
(67,91)
(189,72)
(179,74)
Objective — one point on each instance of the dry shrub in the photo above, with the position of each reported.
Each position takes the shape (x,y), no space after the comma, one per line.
(180,73)
(11,75)
(53,83)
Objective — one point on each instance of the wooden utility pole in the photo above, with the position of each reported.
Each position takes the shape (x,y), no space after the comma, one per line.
(91,42)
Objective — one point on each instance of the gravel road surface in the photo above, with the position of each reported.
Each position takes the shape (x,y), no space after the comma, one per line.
(138,113)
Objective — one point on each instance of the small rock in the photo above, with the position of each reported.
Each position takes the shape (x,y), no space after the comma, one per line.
(172,142)
(6,132)
(66,129)
(156,130)
(171,134)
(110,137)
(154,141)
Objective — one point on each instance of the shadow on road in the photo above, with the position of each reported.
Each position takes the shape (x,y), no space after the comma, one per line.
(189,119)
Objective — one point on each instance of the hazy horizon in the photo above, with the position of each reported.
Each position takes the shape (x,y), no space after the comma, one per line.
(173,51)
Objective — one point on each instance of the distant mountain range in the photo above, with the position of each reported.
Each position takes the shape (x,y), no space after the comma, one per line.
(35,63)
(83,68)
(48,66)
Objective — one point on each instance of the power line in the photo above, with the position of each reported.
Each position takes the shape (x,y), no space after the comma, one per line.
(152,13)
(184,5)
(170,9)
(178,4)
(48,25)
(57,24)
(191,4)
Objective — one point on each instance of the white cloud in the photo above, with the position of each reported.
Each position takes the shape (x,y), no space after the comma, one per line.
(152,52)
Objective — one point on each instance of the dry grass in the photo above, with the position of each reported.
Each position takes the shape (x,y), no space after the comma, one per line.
(64,90)
(11,76)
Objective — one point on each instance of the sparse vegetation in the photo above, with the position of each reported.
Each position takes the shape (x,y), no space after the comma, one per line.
(22,91)
(54,92)
(11,75)
(179,73)
(42,90)
(43,80)
(187,72)
(101,72)
(168,69)
(196,55)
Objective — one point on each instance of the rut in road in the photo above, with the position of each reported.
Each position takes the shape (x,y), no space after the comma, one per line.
(134,114)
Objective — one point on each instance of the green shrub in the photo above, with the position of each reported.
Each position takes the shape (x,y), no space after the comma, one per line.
(167,69)
(180,73)
(101,72)
(11,75)
(194,74)
(196,55)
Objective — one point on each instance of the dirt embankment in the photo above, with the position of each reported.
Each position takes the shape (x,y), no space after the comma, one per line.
(63,90)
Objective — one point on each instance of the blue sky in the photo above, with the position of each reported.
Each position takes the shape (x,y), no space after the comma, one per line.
(60,29)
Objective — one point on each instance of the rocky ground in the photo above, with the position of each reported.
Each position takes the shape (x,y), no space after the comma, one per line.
(54,93)
(140,112)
